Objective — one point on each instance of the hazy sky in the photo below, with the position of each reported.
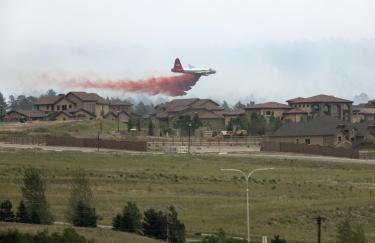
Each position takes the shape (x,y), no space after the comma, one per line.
(261,49)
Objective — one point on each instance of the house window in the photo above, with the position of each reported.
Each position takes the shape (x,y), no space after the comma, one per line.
(63,107)
(297,141)
(70,106)
(268,113)
(307,140)
(47,107)
(339,139)
(58,107)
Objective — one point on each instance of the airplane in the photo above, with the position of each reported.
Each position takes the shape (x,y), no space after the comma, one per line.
(177,68)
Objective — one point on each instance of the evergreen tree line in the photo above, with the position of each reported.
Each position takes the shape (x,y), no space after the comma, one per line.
(34,209)
(157,224)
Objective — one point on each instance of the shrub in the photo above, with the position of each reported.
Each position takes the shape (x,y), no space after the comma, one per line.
(6,213)
(22,216)
(277,239)
(220,237)
(130,220)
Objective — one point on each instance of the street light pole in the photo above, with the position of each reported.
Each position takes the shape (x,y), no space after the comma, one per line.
(189,126)
(118,121)
(247,177)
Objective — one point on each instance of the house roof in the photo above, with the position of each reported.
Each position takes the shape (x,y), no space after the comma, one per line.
(235,112)
(115,114)
(120,103)
(49,100)
(320,126)
(55,114)
(365,111)
(89,97)
(211,115)
(29,113)
(319,98)
(179,105)
(295,111)
(268,105)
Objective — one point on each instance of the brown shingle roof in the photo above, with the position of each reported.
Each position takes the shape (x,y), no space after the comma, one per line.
(30,113)
(323,125)
(89,97)
(211,115)
(268,105)
(319,98)
(48,100)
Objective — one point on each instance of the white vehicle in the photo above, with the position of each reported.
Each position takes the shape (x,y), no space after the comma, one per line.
(177,68)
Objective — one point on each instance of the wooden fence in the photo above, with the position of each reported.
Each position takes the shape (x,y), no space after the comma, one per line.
(79,142)
(310,149)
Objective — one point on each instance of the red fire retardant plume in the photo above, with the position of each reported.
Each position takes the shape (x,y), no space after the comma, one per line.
(172,86)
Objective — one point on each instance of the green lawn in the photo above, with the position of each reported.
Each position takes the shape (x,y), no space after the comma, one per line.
(283,201)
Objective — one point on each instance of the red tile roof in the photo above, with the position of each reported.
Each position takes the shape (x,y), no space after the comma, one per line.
(319,98)
(268,105)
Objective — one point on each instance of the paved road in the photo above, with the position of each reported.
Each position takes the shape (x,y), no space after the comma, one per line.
(252,154)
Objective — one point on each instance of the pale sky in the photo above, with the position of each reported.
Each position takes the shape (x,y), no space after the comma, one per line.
(262,49)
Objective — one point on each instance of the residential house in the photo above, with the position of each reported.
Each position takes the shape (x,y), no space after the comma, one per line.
(164,116)
(24,115)
(323,130)
(363,114)
(295,115)
(324,105)
(267,110)
(79,105)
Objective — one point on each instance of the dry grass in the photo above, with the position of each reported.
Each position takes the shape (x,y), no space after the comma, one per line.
(98,234)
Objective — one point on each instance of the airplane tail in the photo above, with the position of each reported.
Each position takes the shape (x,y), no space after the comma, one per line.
(177,66)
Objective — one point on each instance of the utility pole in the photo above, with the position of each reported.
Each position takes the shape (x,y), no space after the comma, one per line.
(319,221)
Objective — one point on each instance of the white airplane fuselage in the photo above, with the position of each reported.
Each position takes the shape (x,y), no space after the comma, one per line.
(192,70)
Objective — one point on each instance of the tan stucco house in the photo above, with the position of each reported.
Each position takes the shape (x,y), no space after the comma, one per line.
(324,105)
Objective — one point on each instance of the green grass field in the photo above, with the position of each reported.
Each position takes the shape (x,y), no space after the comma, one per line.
(283,201)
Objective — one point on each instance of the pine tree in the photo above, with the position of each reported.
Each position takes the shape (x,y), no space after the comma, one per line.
(80,211)
(33,192)
(130,220)
(154,224)
(22,216)
(6,213)
(3,105)
(176,228)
